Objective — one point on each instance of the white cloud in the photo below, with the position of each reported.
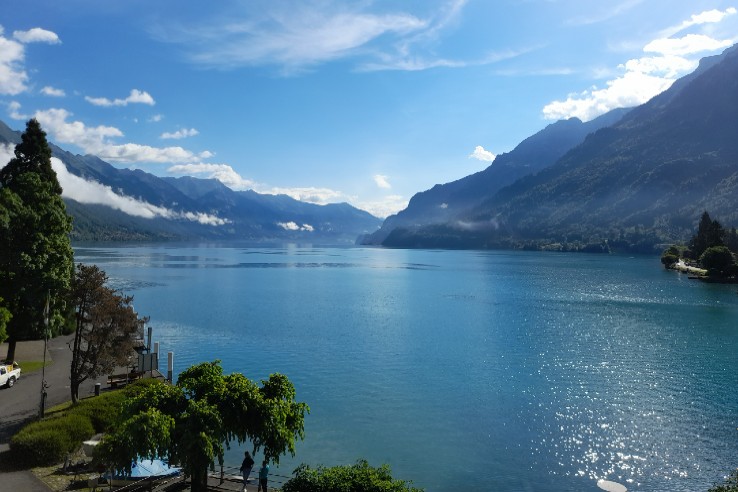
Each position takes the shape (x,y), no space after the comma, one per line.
(14,111)
(481,154)
(156,118)
(36,35)
(707,17)
(686,45)
(293,226)
(13,77)
(179,134)
(97,141)
(222,172)
(52,91)
(381,181)
(6,154)
(135,97)
(382,207)
(632,89)
(91,192)
(298,35)
(643,78)
(319,196)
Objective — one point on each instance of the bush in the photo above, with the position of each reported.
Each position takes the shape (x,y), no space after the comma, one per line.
(48,441)
(102,411)
(669,260)
(718,260)
(354,478)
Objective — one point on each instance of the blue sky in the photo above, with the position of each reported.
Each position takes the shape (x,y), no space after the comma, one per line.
(366,102)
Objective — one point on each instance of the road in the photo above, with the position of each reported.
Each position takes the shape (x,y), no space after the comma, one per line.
(23,401)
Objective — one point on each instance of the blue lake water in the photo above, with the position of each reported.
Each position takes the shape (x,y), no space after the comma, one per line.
(505,371)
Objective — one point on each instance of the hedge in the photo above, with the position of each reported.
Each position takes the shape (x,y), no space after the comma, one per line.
(48,441)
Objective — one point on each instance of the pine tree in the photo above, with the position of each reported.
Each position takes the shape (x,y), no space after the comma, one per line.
(36,258)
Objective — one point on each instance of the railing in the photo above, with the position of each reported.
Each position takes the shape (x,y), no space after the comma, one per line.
(233,474)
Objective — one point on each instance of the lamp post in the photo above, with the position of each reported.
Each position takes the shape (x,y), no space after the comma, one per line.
(43,368)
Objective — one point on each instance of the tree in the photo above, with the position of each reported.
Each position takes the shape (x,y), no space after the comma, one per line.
(709,233)
(106,327)
(36,258)
(670,256)
(718,260)
(4,318)
(731,240)
(359,477)
(193,422)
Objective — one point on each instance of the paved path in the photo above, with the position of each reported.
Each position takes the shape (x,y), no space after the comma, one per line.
(23,401)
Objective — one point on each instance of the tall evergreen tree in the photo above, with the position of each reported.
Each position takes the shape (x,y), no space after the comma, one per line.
(36,258)
(710,233)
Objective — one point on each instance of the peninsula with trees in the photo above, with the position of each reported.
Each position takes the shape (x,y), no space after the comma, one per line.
(709,256)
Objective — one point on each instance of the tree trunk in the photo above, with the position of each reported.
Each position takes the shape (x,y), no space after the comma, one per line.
(74,386)
(199,480)
(11,350)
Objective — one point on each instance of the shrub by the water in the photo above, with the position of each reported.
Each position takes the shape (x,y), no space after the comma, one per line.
(359,477)
(48,441)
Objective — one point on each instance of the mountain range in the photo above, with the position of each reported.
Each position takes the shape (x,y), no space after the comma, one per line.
(108,203)
(630,179)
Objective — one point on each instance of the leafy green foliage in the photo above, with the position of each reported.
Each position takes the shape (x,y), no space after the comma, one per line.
(35,252)
(730,484)
(359,477)
(4,318)
(718,260)
(107,326)
(48,441)
(193,422)
(669,259)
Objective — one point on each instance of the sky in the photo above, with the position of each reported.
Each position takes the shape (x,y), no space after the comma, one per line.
(366,102)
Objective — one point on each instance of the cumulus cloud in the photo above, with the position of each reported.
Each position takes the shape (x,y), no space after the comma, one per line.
(36,35)
(293,226)
(319,196)
(135,97)
(179,134)
(97,141)
(643,78)
(381,181)
(14,111)
(156,118)
(13,77)
(481,154)
(53,92)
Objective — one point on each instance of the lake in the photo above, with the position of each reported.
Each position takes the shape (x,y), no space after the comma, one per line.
(505,371)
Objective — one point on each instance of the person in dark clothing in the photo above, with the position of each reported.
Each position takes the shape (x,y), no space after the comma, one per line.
(246,466)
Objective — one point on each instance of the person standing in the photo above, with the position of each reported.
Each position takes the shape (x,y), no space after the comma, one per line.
(263,474)
(246,466)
